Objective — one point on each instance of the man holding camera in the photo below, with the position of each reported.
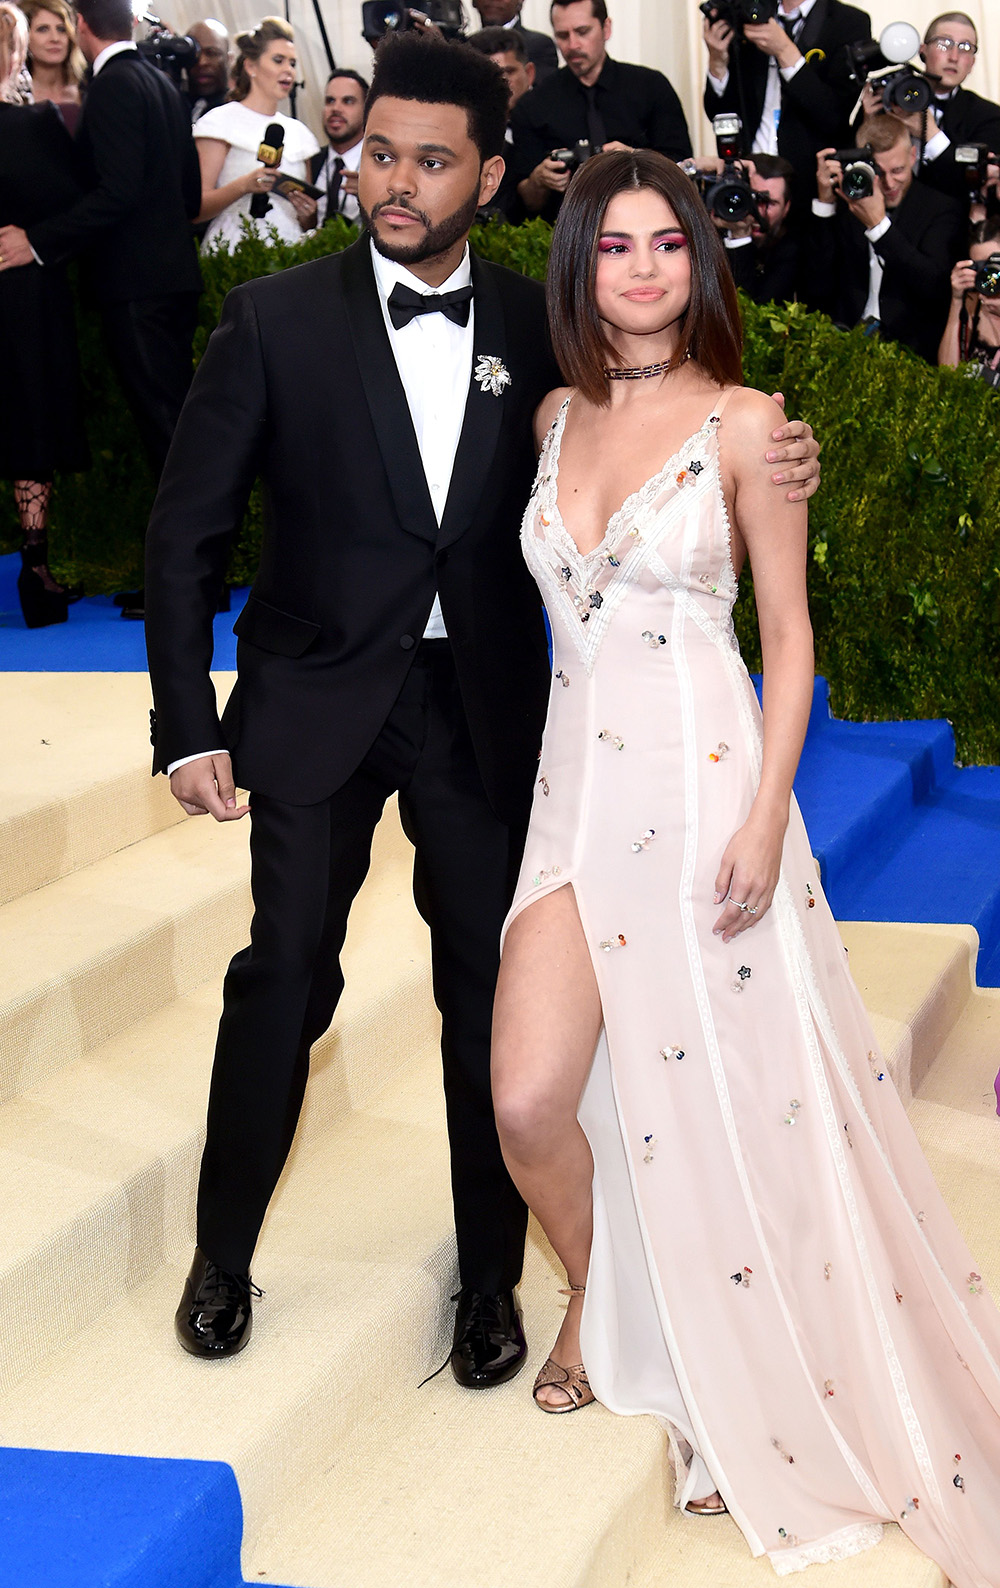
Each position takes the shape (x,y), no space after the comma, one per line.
(786,75)
(763,250)
(956,119)
(882,245)
(593,103)
(208,76)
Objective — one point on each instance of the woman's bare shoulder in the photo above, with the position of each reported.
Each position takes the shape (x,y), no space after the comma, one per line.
(547,409)
(751,414)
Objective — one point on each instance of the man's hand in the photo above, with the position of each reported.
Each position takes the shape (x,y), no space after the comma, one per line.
(549,176)
(349,183)
(718,36)
(15,250)
(869,211)
(771,38)
(796,446)
(963,279)
(829,175)
(205,788)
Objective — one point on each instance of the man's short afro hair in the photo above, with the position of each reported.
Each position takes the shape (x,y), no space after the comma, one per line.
(434,72)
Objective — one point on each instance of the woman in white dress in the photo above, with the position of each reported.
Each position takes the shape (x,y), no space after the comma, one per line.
(688,1091)
(229,137)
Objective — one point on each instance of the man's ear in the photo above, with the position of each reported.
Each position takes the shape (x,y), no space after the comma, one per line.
(490,178)
(529,72)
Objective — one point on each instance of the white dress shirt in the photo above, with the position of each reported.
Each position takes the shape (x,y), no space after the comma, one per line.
(434,359)
(348,201)
(117,48)
(939,141)
(872,309)
(765,140)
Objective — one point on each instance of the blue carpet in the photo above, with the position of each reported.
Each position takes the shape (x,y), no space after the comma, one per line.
(72,1520)
(94,639)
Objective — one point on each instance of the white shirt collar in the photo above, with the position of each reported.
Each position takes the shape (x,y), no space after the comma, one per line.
(803,9)
(388,273)
(513,22)
(118,48)
(351,157)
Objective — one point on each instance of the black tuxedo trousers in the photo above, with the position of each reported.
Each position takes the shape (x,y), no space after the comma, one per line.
(281,992)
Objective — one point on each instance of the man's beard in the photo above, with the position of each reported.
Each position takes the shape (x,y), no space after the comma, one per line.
(436,239)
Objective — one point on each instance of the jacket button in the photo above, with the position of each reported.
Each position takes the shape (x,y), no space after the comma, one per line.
(407,642)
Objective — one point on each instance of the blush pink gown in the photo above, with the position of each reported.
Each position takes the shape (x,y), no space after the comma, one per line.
(775,1276)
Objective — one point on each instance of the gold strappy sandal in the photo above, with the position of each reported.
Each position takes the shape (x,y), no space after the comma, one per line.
(572,1381)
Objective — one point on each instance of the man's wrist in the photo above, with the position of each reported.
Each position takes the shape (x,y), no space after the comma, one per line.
(824,209)
(873,233)
(185,760)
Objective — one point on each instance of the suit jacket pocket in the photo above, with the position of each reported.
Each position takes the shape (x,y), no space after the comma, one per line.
(273,630)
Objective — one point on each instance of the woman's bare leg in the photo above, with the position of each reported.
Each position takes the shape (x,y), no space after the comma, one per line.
(546,1023)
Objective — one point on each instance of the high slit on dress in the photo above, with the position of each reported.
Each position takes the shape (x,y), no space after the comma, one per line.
(774,1274)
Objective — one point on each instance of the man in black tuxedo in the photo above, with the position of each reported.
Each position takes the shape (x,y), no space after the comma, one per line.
(886,259)
(787,80)
(208,78)
(393,642)
(133,225)
(539,47)
(335,168)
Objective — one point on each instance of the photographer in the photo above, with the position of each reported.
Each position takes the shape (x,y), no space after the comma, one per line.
(882,257)
(972,334)
(786,78)
(956,116)
(208,76)
(764,250)
(593,101)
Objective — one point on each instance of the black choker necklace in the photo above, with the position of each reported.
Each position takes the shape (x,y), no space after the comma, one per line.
(646,371)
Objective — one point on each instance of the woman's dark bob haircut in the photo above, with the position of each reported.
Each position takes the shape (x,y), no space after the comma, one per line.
(711,330)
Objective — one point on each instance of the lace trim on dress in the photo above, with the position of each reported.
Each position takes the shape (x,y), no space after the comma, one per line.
(838,1546)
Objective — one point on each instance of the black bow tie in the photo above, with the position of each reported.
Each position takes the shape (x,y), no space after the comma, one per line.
(405,304)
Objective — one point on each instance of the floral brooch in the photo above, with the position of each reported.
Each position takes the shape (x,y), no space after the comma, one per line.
(491,373)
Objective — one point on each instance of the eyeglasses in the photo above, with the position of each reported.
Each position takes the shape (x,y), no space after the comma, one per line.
(963,46)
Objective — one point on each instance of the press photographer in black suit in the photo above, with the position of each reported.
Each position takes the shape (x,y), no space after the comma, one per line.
(393,641)
(955,115)
(609,104)
(787,80)
(764,252)
(885,259)
(133,225)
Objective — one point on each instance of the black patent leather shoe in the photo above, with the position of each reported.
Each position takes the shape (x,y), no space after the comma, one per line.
(489,1345)
(215,1316)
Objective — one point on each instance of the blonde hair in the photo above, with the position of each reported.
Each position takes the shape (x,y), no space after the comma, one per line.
(252,46)
(13,49)
(74,66)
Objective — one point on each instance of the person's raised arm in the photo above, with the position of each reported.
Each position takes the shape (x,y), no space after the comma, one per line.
(963,280)
(772,531)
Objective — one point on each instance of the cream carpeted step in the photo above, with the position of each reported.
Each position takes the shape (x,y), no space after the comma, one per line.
(75,781)
(98,1162)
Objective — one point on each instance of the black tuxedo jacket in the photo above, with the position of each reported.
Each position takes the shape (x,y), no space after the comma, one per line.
(966,118)
(299,386)
(145,187)
(927,235)
(815,104)
(540,49)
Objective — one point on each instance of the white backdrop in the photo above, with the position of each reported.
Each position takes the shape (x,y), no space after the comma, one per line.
(661,33)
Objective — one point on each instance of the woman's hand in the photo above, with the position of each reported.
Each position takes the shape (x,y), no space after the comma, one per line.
(259,181)
(963,279)
(748,875)
(304,207)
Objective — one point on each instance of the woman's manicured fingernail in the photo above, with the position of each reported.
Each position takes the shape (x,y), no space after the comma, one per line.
(771,456)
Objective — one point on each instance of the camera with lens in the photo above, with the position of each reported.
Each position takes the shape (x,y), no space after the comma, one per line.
(380,17)
(729,196)
(575,156)
(173,53)
(972,160)
(886,66)
(988,277)
(860,173)
(739,13)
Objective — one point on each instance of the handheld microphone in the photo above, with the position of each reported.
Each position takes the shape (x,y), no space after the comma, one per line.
(269,154)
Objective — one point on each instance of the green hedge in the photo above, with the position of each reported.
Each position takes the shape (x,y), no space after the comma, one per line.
(904,572)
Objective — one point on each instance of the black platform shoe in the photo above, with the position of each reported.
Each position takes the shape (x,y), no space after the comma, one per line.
(489,1345)
(40,606)
(215,1314)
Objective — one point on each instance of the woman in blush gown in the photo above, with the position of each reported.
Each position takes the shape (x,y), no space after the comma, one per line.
(687,1087)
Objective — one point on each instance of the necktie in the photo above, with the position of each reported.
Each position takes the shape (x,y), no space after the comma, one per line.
(333,187)
(405,304)
(597,132)
(790,22)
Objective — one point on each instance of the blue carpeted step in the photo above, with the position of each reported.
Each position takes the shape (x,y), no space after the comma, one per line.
(72,1520)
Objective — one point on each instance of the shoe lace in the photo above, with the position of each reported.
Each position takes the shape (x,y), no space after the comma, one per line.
(217,1279)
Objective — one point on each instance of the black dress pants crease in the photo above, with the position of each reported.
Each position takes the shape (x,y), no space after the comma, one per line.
(149,341)
(308,863)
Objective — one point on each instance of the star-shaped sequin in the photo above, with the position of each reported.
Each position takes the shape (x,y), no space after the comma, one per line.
(696,467)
